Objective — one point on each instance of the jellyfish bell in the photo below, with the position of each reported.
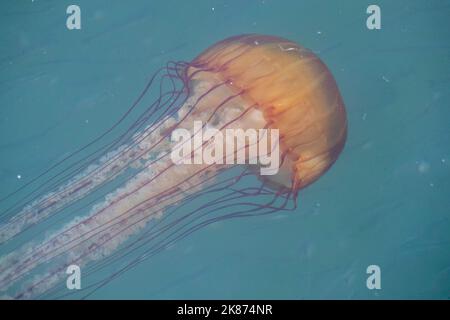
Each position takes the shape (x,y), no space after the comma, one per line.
(292,90)
(243,83)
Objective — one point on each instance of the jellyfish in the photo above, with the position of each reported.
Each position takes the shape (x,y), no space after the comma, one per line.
(122,199)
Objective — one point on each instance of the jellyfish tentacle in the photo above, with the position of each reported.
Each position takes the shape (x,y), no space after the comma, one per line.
(256,210)
(29,217)
(128,194)
(51,203)
(160,139)
(74,153)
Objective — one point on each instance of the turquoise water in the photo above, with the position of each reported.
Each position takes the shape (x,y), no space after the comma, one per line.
(385,202)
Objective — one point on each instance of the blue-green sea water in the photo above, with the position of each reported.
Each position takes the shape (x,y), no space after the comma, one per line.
(385,202)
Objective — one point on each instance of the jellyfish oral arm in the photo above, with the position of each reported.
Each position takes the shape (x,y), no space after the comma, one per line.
(129,209)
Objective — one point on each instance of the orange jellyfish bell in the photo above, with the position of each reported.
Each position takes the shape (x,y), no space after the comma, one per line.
(296,94)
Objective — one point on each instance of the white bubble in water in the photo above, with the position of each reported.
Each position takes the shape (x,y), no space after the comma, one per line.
(19,176)
(423,167)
